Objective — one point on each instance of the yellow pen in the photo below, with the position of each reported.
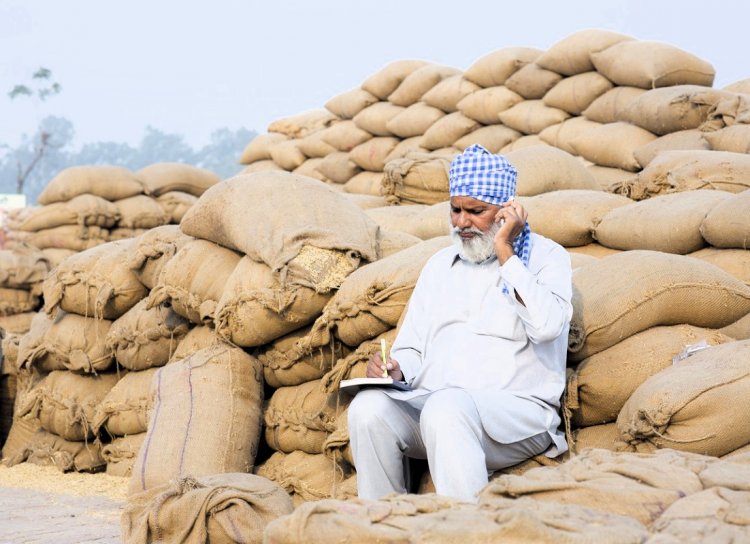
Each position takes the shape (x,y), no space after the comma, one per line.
(384,356)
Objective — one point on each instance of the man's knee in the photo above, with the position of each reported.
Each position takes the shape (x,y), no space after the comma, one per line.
(447,411)
(367,410)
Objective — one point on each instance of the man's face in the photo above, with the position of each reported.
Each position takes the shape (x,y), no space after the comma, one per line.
(474,227)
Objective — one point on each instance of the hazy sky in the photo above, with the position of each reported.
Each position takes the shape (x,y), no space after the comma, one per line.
(192,67)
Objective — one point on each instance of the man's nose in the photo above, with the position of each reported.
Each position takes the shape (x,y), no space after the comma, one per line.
(462,220)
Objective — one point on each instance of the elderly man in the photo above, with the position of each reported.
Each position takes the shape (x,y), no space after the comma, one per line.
(483,346)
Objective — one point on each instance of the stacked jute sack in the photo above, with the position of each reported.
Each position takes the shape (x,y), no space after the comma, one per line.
(613,101)
(84,206)
(664,497)
(22,272)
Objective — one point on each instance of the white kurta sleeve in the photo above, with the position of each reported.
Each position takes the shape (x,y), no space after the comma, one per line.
(546,290)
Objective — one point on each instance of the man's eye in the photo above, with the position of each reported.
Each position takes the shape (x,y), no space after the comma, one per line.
(455,210)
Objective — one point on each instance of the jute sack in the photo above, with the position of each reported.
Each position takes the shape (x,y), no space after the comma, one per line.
(10,345)
(374,119)
(389,242)
(73,237)
(608,107)
(125,233)
(603,436)
(22,268)
(676,171)
(414,120)
(309,168)
(613,144)
(698,405)
(309,477)
(344,136)
(446,130)
(532,81)
(261,166)
(55,255)
(140,212)
(728,223)
(175,204)
(577,260)
(545,169)
(602,383)
(354,365)
(713,514)
(125,409)
(575,94)
(336,445)
(198,338)
(16,301)
(193,281)
(66,402)
(494,68)
(314,215)
(405,147)
(365,183)
(153,250)
(48,449)
(146,337)
(528,140)
(572,54)
(222,509)
(108,182)
(366,202)
(389,77)
(683,139)
(670,109)
(418,178)
(163,177)
(627,484)
(304,123)
(432,222)
(735,262)
(395,218)
(532,116)
(80,210)
(629,292)
(593,250)
(254,308)
(291,359)
(348,104)
(120,454)
(259,148)
(287,154)
(448,93)
(20,435)
(300,417)
(66,342)
(206,418)
(444,520)
(562,135)
(740,86)
(371,154)
(669,223)
(647,65)
(96,283)
(494,138)
(19,323)
(734,138)
(371,299)
(313,145)
(569,216)
(739,330)
(417,83)
(483,105)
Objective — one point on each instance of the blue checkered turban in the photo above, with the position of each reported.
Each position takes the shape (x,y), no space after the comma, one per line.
(490,178)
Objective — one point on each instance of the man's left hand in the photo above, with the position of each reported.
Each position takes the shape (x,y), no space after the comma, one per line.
(513,217)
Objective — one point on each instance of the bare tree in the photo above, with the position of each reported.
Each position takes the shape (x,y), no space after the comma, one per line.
(40,88)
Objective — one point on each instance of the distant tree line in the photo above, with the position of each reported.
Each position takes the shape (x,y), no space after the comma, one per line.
(219,155)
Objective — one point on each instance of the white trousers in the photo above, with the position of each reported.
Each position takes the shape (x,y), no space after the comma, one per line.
(443,427)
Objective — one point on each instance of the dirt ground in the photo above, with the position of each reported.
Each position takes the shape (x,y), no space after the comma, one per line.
(41,505)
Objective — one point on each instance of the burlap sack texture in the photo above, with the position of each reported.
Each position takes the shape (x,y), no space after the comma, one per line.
(631,291)
(221,508)
(176,204)
(152,250)
(125,408)
(48,449)
(77,180)
(85,209)
(432,518)
(206,418)
(417,178)
(727,225)
(163,177)
(120,454)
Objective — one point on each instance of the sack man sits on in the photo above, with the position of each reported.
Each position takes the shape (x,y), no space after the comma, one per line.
(483,345)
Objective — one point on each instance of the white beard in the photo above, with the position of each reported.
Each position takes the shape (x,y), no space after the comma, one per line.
(479,248)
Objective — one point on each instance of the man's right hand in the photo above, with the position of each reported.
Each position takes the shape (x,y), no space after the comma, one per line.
(375,368)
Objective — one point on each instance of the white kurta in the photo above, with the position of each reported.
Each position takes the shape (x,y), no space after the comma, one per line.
(462,331)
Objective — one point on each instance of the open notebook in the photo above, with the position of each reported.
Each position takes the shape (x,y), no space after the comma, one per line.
(354,385)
